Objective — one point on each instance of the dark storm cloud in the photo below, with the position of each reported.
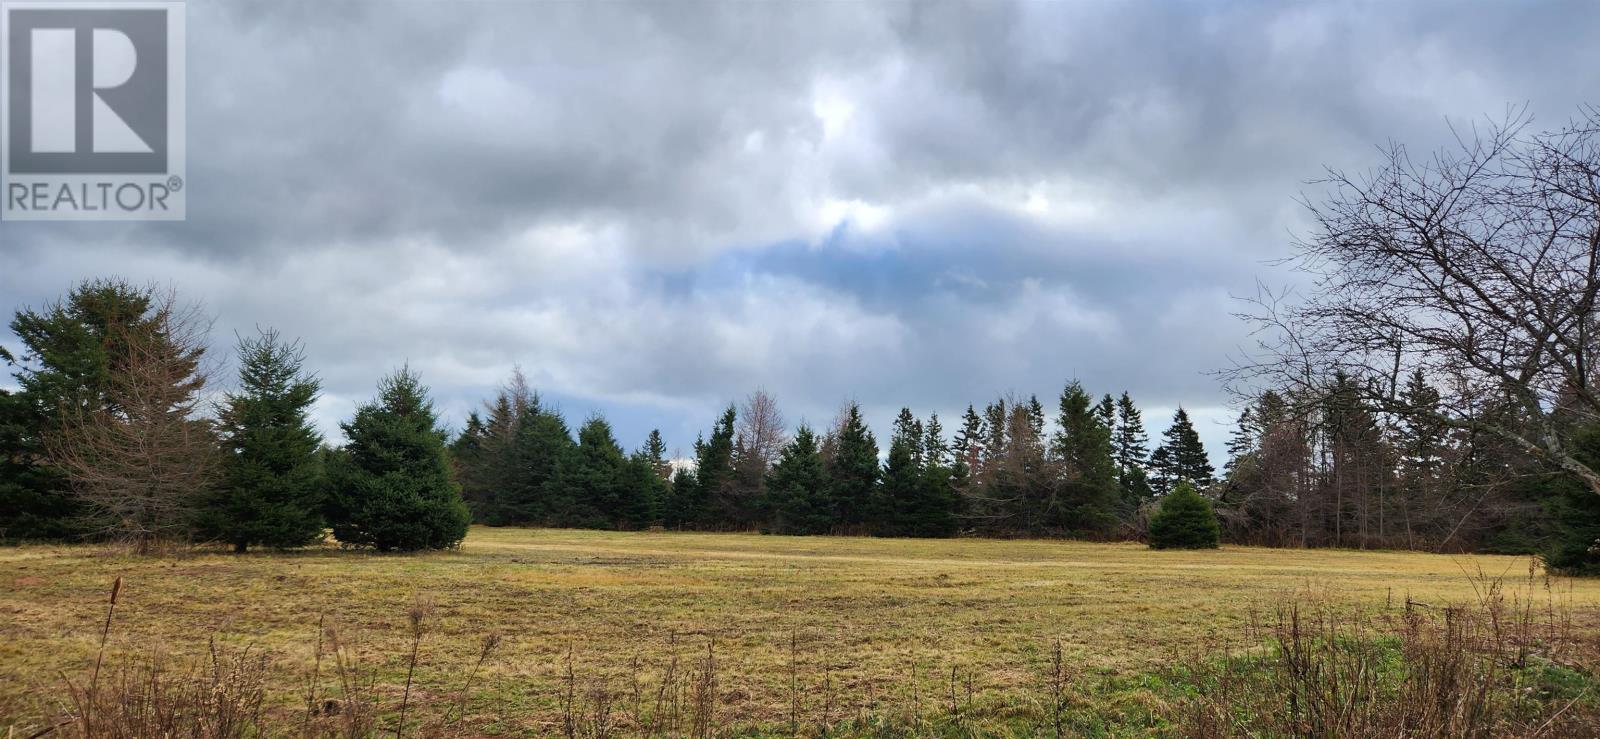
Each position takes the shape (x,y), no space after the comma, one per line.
(657,207)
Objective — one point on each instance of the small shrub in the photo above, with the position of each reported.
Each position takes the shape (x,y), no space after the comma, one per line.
(1184,521)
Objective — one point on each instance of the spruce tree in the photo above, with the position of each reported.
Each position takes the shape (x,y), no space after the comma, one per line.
(935,450)
(1184,521)
(467,459)
(1423,435)
(1243,442)
(1130,445)
(391,485)
(655,452)
(67,350)
(967,455)
(853,473)
(901,479)
(272,487)
(937,505)
(494,473)
(1163,471)
(590,480)
(1184,457)
(721,504)
(639,477)
(799,497)
(683,500)
(1106,411)
(1082,446)
(540,444)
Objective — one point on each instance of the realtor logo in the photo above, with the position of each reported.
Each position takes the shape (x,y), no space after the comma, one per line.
(92,110)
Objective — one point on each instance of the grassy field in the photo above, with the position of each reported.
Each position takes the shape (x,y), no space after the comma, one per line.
(804,629)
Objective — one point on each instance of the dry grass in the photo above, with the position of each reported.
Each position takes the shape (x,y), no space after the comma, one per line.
(599,633)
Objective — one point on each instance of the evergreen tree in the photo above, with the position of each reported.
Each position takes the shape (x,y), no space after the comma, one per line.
(967,456)
(1163,471)
(590,482)
(490,458)
(798,490)
(272,488)
(997,421)
(1130,445)
(1184,521)
(1244,441)
(66,361)
(684,499)
(1036,417)
(934,448)
(391,484)
(853,473)
(1423,434)
(937,504)
(654,491)
(540,444)
(902,479)
(725,506)
(1082,445)
(141,454)
(1575,548)
(1106,412)
(467,459)
(655,453)
(1185,457)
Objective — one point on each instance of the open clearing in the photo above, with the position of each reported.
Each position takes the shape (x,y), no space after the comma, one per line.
(856,624)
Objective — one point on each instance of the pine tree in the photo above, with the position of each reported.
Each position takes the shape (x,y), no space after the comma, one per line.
(901,479)
(853,473)
(798,489)
(391,484)
(272,487)
(1184,521)
(1082,446)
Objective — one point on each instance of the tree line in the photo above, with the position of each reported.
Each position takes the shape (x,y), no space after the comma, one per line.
(1005,471)
(113,434)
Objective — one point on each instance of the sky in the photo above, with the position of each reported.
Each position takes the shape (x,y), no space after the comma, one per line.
(657,208)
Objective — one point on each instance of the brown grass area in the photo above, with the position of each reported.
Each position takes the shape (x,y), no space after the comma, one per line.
(876,624)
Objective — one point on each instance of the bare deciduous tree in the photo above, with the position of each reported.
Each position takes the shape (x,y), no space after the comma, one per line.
(761,433)
(140,460)
(1479,266)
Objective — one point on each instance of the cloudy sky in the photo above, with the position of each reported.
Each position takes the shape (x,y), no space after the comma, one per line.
(657,208)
